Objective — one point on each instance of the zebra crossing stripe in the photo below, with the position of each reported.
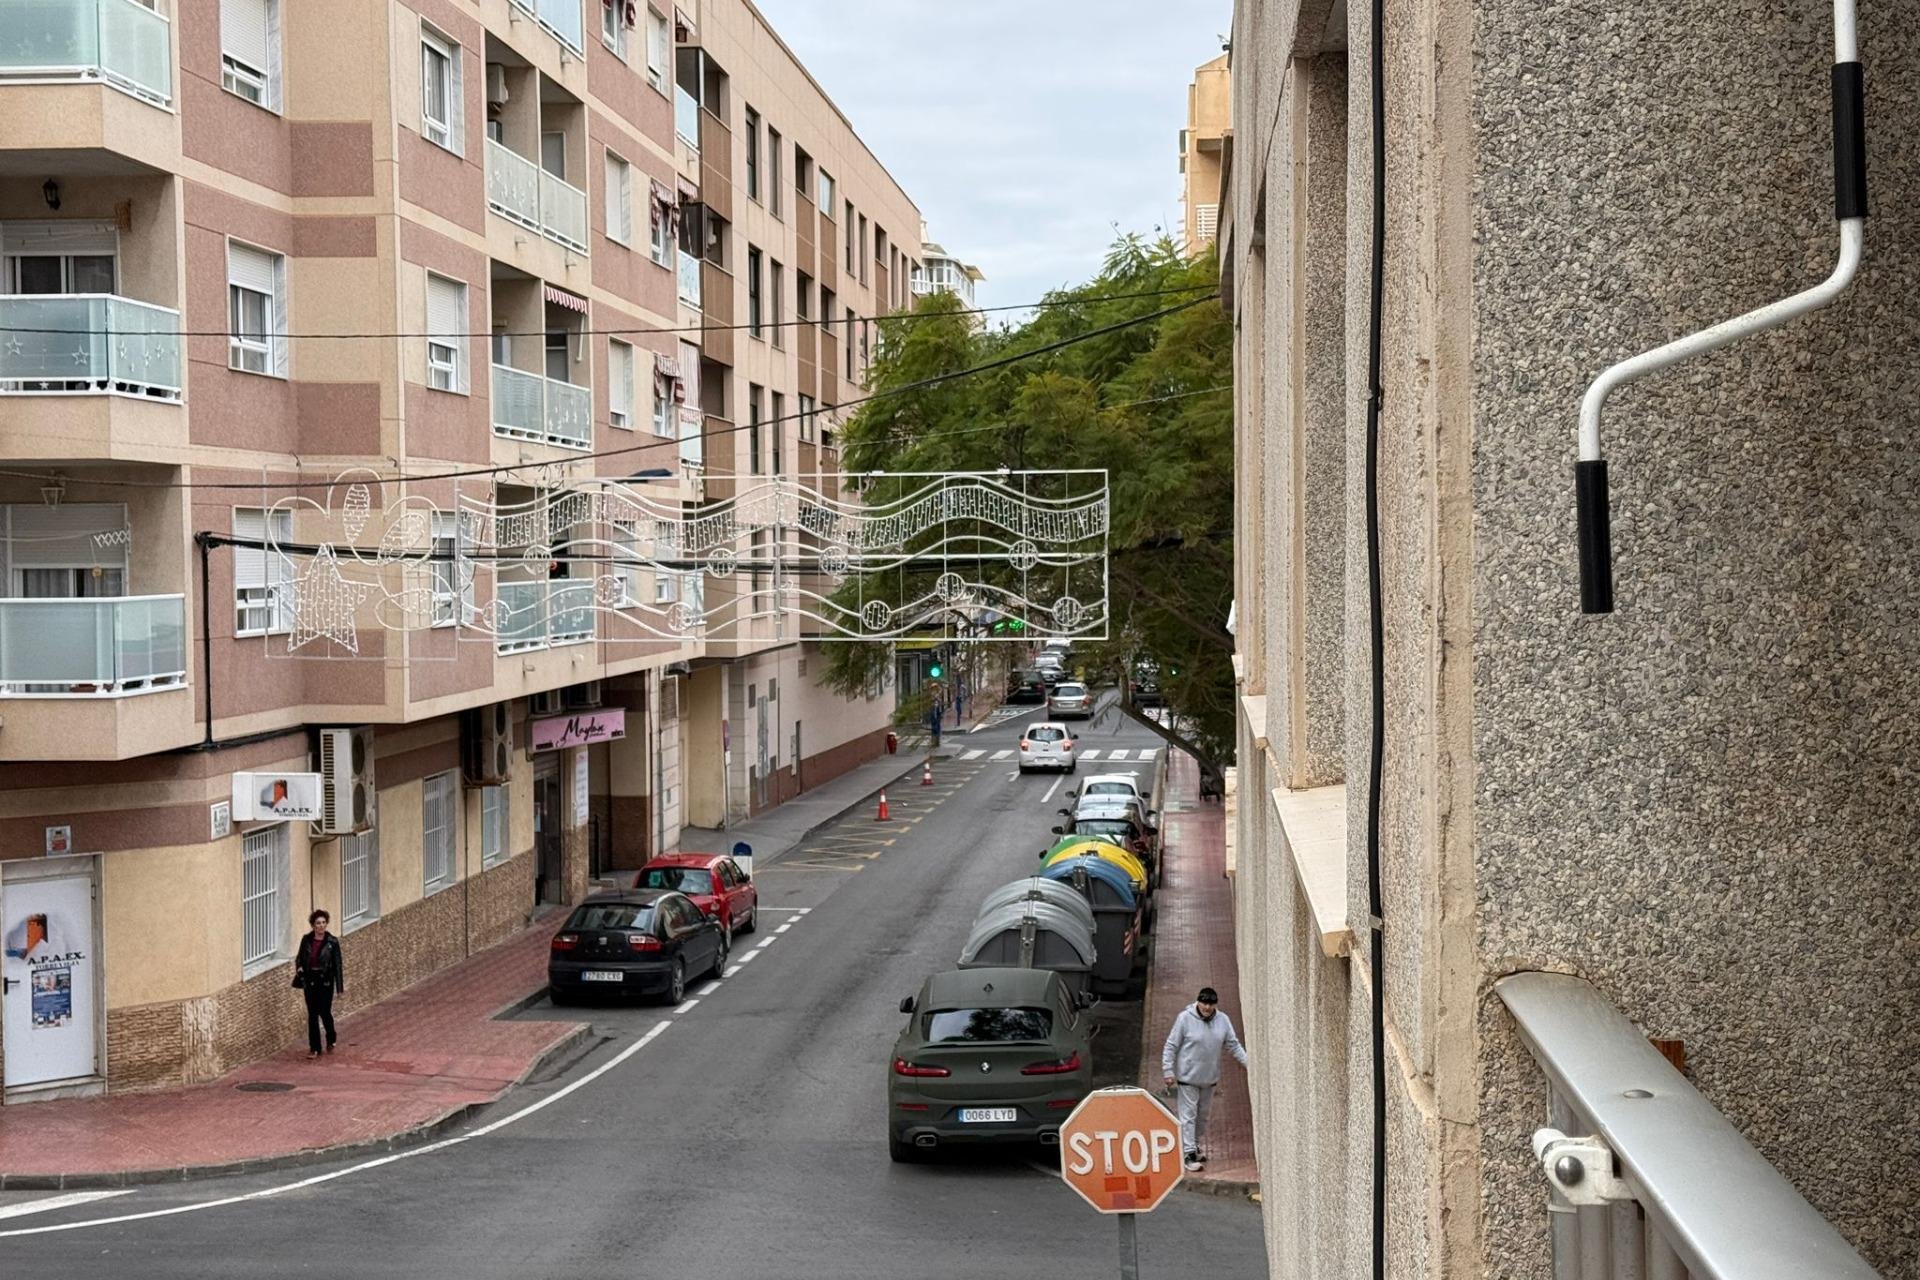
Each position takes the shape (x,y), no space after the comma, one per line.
(1090,755)
(1116,757)
(1002,755)
(973,755)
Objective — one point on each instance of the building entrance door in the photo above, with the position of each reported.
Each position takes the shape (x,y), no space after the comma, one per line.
(49,972)
(547,877)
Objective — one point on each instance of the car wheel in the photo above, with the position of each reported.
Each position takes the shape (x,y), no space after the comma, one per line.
(1074,767)
(726,949)
(902,1151)
(1025,769)
(559,997)
(677,982)
(753,920)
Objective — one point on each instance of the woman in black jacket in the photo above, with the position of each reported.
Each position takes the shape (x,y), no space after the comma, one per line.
(317,973)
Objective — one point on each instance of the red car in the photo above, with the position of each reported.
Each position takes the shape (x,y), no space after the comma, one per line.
(714,882)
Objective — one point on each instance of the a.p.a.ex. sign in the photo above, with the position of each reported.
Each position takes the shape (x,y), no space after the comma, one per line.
(582,729)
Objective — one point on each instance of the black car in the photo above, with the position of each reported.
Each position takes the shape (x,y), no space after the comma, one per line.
(1025,685)
(648,941)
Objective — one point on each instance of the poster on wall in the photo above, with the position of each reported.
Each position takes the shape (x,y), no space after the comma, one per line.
(47,957)
(580,789)
(263,796)
(52,996)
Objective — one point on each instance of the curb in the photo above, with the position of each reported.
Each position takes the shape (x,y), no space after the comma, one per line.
(1225,1187)
(413,1136)
(775,859)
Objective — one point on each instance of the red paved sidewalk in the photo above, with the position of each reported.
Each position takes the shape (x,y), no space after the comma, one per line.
(1193,947)
(408,1063)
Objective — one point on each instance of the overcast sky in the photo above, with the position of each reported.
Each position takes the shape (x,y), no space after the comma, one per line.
(1024,129)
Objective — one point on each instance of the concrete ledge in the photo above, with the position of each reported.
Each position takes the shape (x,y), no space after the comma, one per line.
(1313,823)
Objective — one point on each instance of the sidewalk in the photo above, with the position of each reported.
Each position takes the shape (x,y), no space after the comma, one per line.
(414,1063)
(1193,947)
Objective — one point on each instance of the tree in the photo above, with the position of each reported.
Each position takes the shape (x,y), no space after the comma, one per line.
(1148,402)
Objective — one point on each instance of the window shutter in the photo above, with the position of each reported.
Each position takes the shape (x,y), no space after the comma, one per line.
(68,235)
(447,320)
(246,31)
(280,361)
(250,562)
(626,203)
(456,101)
(62,537)
(271,21)
(626,385)
(250,268)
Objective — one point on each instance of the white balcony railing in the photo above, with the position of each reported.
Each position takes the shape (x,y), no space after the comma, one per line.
(688,273)
(527,406)
(109,646)
(560,17)
(534,615)
(1646,1179)
(521,191)
(121,42)
(88,344)
(686,117)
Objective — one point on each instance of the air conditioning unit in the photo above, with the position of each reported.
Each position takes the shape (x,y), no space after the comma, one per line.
(496,85)
(487,745)
(346,781)
(582,697)
(546,703)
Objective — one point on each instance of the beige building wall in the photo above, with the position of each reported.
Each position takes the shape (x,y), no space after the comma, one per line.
(1209,118)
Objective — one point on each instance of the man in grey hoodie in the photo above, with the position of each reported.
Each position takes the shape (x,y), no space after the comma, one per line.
(1191,1062)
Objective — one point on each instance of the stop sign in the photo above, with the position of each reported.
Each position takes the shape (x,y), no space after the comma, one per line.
(1120,1149)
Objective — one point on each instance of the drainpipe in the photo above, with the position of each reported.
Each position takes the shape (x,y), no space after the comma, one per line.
(1850,209)
(206,632)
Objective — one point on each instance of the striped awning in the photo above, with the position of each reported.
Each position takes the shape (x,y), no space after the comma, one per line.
(561,298)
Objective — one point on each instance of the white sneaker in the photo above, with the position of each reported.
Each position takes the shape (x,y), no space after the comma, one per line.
(1193,1164)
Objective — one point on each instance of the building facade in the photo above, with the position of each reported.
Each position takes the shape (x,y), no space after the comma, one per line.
(1209,117)
(1656,858)
(271,268)
(941,272)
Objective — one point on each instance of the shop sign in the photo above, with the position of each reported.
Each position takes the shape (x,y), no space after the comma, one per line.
(274,796)
(59,841)
(556,733)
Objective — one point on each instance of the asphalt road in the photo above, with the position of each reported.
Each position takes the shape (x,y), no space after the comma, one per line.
(741,1135)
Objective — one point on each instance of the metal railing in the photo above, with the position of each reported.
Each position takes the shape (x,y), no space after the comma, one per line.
(534,615)
(686,117)
(1646,1178)
(106,646)
(521,191)
(527,406)
(121,42)
(88,344)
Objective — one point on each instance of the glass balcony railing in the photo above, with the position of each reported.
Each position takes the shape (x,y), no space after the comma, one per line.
(527,406)
(534,615)
(689,276)
(88,343)
(686,117)
(111,646)
(569,611)
(561,17)
(563,212)
(523,192)
(121,42)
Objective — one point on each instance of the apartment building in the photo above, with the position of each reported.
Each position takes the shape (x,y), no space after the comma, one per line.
(1209,119)
(1646,911)
(291,286)
(941,272)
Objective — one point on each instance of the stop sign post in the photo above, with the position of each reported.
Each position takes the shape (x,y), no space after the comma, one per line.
(1120,1150)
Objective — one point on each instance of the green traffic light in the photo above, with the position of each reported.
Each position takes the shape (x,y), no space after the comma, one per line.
(935,670)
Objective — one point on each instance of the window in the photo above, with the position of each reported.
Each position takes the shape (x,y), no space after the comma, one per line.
(665,587)
(848,340)
(753,154)
(496,836)
(664,216)
(659,43)
(437,832)
(806,417)
(620,384)
(827,299)
(853,263)
(777,302)
(861,261)
(257,310)
(826,193)
(260,574)
(441,116)
(754,328)
(754,394)
(774,184)
(988,1026)
(778,424)
(446,330)
(663,402)
(803,176)
(250,50)
(360,877)
(452,581)
(613,28)
(264,892)
(626,561)
(619,199)
(802,296)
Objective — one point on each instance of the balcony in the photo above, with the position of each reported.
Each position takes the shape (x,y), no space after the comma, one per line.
(521,191)
(109,647)
(561,18)
(1645,1177)
(688,273)
(686,118)
(527,406)
(116,42)
(88,344)
(537,615)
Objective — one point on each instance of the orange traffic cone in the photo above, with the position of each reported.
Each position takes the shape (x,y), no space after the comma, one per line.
(882,815)
(926,774)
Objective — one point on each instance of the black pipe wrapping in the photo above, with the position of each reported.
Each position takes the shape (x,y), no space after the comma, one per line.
(1849,141)
(1596,536)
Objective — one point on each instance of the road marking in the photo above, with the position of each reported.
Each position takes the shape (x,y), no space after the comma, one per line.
(706,990)
(688,1005)
(745,959)
(1055,787)
(1116,757)
(443,1144)
(764,944)
(974,754)
(67,1201)
(787,911)
(1003,754)
(783,928)
(1090,755)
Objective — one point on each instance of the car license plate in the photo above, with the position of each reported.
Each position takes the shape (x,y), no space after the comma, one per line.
(988,1115)
(602,975)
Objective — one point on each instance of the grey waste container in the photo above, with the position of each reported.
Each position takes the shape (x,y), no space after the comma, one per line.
(1032,935)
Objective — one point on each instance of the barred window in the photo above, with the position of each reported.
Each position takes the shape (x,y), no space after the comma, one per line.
(437,832)
(264,890)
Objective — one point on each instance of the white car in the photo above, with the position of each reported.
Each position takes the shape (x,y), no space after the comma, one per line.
(1047,745)
(1119,786)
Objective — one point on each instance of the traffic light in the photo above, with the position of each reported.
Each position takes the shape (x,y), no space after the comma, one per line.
(934,672)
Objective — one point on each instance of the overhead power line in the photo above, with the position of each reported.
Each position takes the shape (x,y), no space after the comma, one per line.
(664,442)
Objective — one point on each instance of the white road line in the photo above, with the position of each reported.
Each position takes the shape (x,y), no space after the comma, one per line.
(1115,757)
(688,1005)
(783,928)
(1090,755)
(1055,787)
(764,944)
(1003,755)
(67,1201)
(974,754)
(443,1144)
(742,960)
(708,989)
(787,911)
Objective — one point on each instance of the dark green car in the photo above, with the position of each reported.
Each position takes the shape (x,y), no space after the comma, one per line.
(988,1055)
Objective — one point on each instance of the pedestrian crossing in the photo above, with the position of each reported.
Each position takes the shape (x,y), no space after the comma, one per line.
(1120,755)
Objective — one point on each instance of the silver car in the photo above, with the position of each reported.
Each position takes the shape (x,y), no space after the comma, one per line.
(1070,699)
(1047,745)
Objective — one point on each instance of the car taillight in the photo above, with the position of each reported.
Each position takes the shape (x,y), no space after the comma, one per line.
(1066,746)
(901,1067)
(643,942)
(564,941)
(1025,745)
(1059,1068)
(1063,1104)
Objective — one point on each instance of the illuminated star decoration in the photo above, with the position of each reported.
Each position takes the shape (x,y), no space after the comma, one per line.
(324,603)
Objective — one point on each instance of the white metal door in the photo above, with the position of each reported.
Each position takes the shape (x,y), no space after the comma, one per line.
(51,973)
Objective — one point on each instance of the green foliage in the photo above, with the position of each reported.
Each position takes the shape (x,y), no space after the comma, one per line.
(1141,402)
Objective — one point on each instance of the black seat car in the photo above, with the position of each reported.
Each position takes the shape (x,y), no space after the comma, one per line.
(644,941)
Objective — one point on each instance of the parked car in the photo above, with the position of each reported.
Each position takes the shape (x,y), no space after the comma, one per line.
(1122,785)
(1109,806)
(1146,685)
(1118,825)
(1050,673)
(712,881)
(987,1055)
(1070,698)
(641,941)
(1026,685)
(1047,745)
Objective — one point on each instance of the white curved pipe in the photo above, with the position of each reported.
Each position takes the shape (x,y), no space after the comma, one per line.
(1727,332)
